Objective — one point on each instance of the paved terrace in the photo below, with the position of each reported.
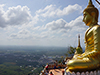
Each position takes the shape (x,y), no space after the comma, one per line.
(57,71)
(59,68)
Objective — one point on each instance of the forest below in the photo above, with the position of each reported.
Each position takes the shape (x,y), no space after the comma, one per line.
(27,60)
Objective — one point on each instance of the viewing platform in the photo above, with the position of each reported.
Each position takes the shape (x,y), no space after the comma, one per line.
(56,70)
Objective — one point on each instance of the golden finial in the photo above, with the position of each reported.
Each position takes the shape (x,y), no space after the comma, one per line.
(90,4)
(79,48)
(79,41)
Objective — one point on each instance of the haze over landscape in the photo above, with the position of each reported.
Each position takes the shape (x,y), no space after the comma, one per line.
(42,22)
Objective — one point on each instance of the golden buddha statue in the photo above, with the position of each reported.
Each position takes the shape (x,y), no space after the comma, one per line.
(90,59)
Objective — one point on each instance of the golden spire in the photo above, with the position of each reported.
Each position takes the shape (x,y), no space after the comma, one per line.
(90,4)
(79,48)
(79,41)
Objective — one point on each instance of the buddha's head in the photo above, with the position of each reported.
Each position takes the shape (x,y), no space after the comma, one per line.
(91,14)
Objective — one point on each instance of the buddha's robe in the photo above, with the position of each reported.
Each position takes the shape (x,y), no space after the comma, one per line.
(90,59)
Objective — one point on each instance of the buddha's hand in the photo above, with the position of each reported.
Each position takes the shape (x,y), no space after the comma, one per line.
(80,57)
(76,56)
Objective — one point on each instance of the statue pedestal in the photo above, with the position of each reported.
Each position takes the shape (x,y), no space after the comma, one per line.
(84,73)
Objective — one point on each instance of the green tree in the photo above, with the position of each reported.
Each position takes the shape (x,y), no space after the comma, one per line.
(70,51)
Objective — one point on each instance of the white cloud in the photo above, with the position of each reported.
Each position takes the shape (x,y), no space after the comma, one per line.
(61,26)
(47,8)
(63,31)
(36,28)
(24,32)
(52,11)
(56,25)
(30,24)
(29,28)
(69,9)
(13,35)
(54,28)
(14,16)
(77,24)
(43,20)
(35,19)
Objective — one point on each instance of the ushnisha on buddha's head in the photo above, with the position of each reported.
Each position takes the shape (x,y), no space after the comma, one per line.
(91,14)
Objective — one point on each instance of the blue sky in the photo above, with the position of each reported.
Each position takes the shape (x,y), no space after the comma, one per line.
(42,22)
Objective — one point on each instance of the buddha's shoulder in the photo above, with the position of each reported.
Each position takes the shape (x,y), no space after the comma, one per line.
(96,27)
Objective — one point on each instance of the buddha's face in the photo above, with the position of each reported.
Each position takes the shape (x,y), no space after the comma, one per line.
(87,18)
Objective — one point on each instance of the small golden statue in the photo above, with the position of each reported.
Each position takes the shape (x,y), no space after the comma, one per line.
(90,59)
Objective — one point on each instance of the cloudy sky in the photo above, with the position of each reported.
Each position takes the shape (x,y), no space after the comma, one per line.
(42,22)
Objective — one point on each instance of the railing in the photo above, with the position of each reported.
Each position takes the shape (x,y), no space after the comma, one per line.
(51,66)
(43,71)
(84,73)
